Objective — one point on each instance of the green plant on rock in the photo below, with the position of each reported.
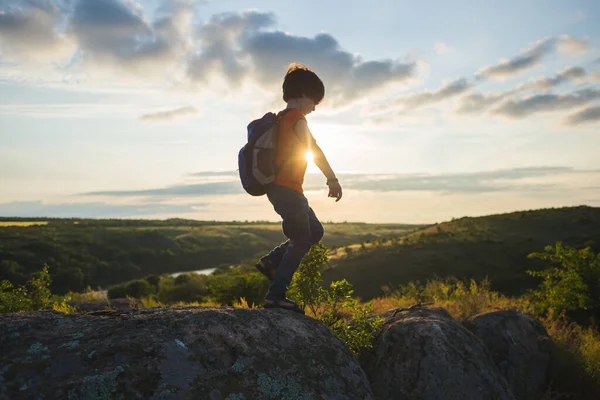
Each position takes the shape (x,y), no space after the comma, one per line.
(335,307)
(35,295)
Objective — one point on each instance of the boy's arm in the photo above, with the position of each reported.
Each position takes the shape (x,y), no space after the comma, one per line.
(335,190)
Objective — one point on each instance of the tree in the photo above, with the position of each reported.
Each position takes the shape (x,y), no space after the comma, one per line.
(571,284)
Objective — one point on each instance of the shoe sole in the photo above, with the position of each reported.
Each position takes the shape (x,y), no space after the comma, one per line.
(296,310)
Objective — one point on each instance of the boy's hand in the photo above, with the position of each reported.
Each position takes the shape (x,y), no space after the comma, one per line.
(335,190)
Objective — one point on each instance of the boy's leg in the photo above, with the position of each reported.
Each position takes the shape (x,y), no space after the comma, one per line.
(293,208)
(273,258)
(269,263)
(316,228)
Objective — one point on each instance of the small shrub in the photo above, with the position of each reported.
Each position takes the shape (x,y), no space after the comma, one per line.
(117,292)
(347,319)
(139,288)
(13,299)
(35,295)
(182,279)
(571,284)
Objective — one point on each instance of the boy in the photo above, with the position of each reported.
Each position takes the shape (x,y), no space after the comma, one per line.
(302,90)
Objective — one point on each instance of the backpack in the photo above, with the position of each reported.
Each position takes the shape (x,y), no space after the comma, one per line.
(256,160)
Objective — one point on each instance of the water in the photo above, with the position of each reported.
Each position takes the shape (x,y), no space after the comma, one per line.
(207,271)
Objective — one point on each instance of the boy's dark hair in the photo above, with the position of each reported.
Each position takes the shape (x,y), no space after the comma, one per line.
(300,80)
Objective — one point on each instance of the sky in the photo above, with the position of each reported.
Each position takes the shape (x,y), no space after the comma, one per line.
(433,110)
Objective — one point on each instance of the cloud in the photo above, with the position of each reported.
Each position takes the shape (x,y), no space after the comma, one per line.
(117,33)
(569,74)
(30,29)
(241,47)
(477,103)
(421,99)
(585,116)
(214,173)
(568,45)
(117,36)
(442,48)
(532,57)
(595,77)
(197,189)
(476,182)
(168,115)
(93,210)
(546,102)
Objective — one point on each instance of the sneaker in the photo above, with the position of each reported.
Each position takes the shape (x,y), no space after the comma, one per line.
(283,303)
(265,269)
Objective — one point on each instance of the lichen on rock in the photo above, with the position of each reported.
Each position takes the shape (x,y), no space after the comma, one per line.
(178,353)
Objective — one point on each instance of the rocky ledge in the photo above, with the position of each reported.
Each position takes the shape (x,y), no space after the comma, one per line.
(239,354)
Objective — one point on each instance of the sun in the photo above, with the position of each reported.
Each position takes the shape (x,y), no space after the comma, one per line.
(310,157)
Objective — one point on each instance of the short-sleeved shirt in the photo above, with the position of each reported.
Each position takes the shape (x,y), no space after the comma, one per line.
(290,152)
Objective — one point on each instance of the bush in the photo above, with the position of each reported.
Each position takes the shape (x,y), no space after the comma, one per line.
(571,284)
(153,280)
(34,296)
(182,279)
(335,307)
(139,288)
(462,299)
(117,292)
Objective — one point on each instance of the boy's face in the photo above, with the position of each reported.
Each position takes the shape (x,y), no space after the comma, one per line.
(307,105)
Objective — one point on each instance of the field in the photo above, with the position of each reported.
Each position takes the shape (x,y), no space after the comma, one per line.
(22,223)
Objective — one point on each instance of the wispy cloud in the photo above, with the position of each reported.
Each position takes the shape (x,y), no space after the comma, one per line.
(585,116)
(93,209)
(476,182)
(522,108)
(421,99)
(477,102)
(532,57)
(447,91)
(569,74)
(169,115)
(197,189)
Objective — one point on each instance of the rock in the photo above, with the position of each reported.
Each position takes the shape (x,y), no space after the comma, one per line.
(520,347)
(425,354)
(175,353)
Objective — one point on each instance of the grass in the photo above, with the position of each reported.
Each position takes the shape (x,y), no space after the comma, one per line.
(22,223)
(575,366)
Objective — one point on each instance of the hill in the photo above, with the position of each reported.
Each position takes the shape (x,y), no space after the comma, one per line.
(82,252)
(493,246)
